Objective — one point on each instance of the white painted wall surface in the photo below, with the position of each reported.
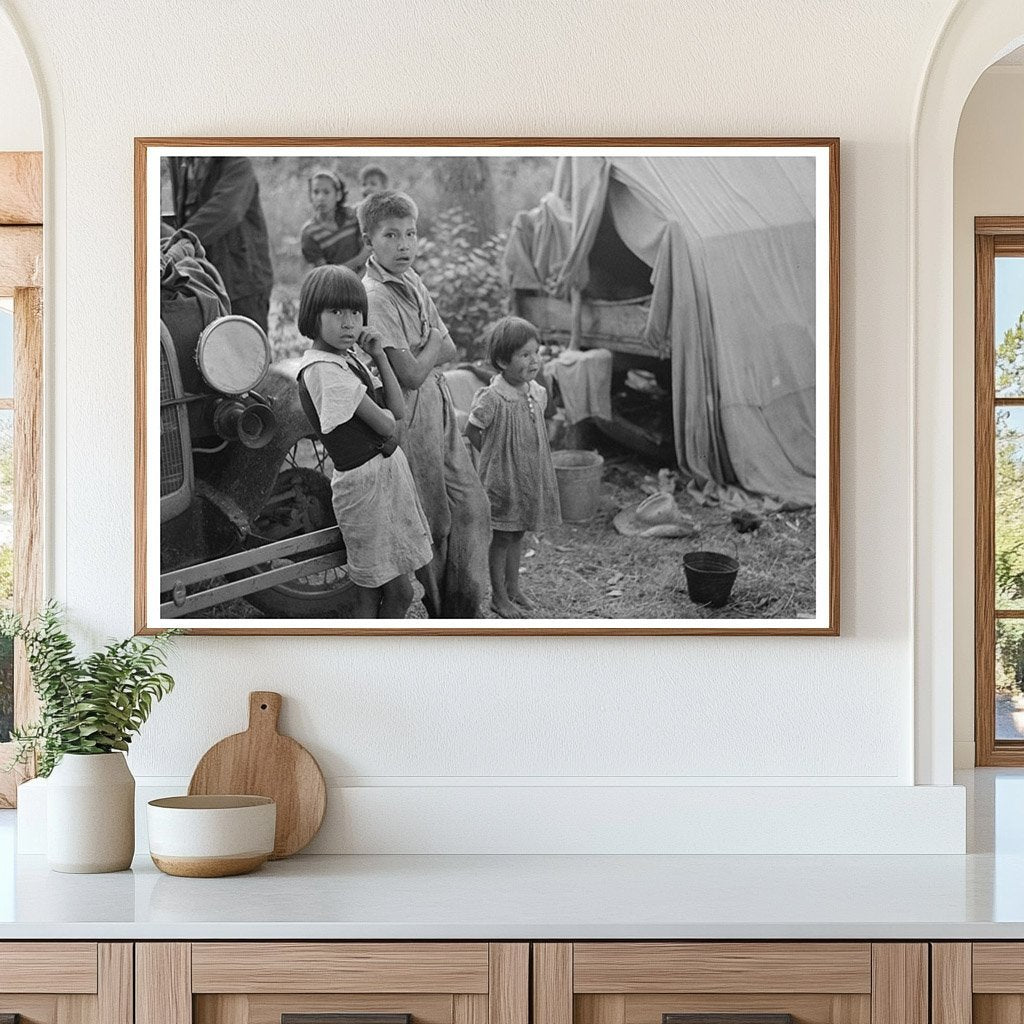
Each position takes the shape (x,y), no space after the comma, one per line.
(987,181)
(433,716)
(21,125)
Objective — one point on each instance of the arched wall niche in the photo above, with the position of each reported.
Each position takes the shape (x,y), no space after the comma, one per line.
(976,34)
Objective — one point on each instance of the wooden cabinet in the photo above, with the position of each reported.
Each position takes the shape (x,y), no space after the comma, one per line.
(814,982)
(66,982)
(978,983)
(494,983)
(262,982)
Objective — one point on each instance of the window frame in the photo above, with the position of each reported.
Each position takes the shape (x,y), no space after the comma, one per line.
(993,237)
(21,278)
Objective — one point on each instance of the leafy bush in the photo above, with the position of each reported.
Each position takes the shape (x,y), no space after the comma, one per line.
(88,705)
(465,280)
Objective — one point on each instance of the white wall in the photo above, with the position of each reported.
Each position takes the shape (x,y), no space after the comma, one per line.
(432,716)
(987,182)
(21,126)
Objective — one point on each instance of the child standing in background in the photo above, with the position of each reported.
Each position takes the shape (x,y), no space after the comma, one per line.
(332,235)
(506,425)
(382,523)
(373,178)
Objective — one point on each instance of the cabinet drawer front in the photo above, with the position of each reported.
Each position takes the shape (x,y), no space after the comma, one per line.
(59,967)
(339,967)
(998,967)
(634,967)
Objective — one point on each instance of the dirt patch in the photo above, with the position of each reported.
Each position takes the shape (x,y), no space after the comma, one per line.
(590,571)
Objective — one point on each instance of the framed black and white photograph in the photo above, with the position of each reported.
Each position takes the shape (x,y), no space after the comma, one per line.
(496,386)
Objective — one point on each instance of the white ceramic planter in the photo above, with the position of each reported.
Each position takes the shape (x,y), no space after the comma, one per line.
(90,814)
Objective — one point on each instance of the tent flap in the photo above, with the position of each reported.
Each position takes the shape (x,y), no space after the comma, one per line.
(730,241)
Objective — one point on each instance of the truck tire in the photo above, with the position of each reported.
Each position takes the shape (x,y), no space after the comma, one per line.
(301,503)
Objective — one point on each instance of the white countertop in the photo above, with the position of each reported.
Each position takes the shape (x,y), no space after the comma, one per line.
(516,897)
(977,896)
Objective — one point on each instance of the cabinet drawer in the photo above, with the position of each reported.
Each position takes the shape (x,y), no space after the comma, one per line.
(340,967)
(980,982)
(66,982)
(730,983)
(326,982)
(66,967)
(632,967)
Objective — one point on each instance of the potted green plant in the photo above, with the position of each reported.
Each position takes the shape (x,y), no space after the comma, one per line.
(89,709)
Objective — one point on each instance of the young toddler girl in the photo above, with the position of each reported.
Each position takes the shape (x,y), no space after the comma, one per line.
(506,425)
(332,235)
(385,531)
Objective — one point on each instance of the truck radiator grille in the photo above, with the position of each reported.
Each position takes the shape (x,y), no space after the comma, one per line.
(172,458)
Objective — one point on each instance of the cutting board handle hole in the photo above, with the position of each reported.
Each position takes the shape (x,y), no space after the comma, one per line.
(263,707)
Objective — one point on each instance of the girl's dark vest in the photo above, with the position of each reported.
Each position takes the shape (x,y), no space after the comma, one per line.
(352,443)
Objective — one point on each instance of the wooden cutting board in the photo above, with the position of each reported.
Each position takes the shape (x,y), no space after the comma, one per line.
(262,762)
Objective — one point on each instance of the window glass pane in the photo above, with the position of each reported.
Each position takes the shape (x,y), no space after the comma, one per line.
(1009,327)
(1009,541)
(6,567)
(1009,679)
(6,353)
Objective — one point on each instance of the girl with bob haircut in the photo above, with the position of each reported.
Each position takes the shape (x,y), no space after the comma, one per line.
(332,234)
(382,523)
(506,425)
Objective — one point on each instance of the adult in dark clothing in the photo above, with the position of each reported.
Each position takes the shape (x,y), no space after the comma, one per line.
(218,199)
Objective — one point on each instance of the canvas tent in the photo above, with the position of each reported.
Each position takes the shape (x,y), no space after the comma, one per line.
(727,244)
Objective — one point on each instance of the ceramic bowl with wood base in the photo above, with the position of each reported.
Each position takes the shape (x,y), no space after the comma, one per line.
(211,836)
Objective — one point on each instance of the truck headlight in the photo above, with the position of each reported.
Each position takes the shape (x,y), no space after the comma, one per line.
(233,354)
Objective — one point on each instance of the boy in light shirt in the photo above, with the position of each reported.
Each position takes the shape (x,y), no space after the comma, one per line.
(417,343)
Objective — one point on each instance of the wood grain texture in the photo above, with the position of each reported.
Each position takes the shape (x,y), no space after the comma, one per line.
(163,983)
(830,144)
(509,983)
(115,996)
(636,967)
(339,967)
(998,1009)
(994,237)
(21,259)
(605,1009)
(805,1008)
(31,1009)
(899,992)
(65,967)
(21,188)
(228,1009)
(28,483)
(268,1009)
(998,226)
(467,1009)
(951,983)
(262,762)
(208,867)
(984,502)
(76,1009)
(998,967)
(552,983)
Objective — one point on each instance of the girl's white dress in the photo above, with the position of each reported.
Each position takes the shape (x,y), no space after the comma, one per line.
(515,457)
(379,513)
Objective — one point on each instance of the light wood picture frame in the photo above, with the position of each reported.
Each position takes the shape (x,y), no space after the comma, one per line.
(685,297)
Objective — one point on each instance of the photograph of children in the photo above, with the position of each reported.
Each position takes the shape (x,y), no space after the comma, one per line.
(489,388)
